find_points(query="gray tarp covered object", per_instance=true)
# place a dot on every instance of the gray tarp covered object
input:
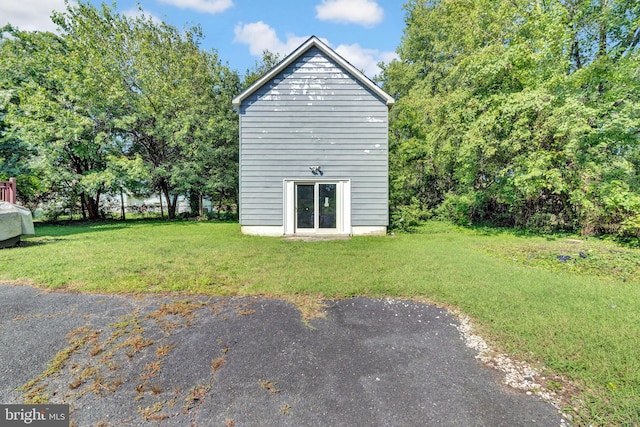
(14, 221)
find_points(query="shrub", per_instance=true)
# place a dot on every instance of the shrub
(457, 208)
(408, 217)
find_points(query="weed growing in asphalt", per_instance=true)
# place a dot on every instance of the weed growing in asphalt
(269, 386)
(156, 388)
(195, 397)
(163, 350)
(151, 413)
(35, 392)
(217, 363)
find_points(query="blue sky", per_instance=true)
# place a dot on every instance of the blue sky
(364, 32)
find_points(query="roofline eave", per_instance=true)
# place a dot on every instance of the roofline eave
(313, 41)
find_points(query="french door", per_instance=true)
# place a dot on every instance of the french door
(316, 207)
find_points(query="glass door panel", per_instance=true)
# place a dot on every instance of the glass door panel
(327, 206)
(316, 206)
(305, 209)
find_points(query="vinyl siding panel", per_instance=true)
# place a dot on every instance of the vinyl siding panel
(313, 113)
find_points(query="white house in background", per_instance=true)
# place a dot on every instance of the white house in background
(314, 148)
(151, 204)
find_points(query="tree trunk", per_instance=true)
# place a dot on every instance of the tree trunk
(575, 53)
(174, 204)
(161, 206)
(220, 204)
(195, 203)
(122, 215)
(83, 207)
(602, 42)
(92, 209)
(602, 30)
(171, 204)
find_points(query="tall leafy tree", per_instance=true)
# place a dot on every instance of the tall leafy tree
(46, 113)
(15, 160)
(168, 100)
(520, 113)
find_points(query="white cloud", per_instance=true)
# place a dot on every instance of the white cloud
(365, 59)
(30, 15)
(363, 12)
(260, 37)
(388, 56)
(204, 6)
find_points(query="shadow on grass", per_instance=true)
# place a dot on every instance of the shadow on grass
(492, 230)
(51, 230)
(36, 242)
(484, 229)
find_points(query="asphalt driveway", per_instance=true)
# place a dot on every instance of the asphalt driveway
(120, 360)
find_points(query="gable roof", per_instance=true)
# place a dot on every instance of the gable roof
(313, 41)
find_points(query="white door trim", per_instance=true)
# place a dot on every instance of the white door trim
(343, 202)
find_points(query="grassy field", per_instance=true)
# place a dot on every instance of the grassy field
(577, 320)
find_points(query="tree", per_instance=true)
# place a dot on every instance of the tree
(169, 101)
(260, 68)
(518, 113)
(110, 92)
(15, 158)
(47, 117)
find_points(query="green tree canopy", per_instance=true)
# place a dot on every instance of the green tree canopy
(165, 98)
(46, 114)
(518, 113)
(114, 103)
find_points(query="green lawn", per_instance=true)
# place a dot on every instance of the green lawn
(578, 319)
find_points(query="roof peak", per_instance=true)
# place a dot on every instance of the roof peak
(313, 41)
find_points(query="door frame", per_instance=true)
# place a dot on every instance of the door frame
(343, 207)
